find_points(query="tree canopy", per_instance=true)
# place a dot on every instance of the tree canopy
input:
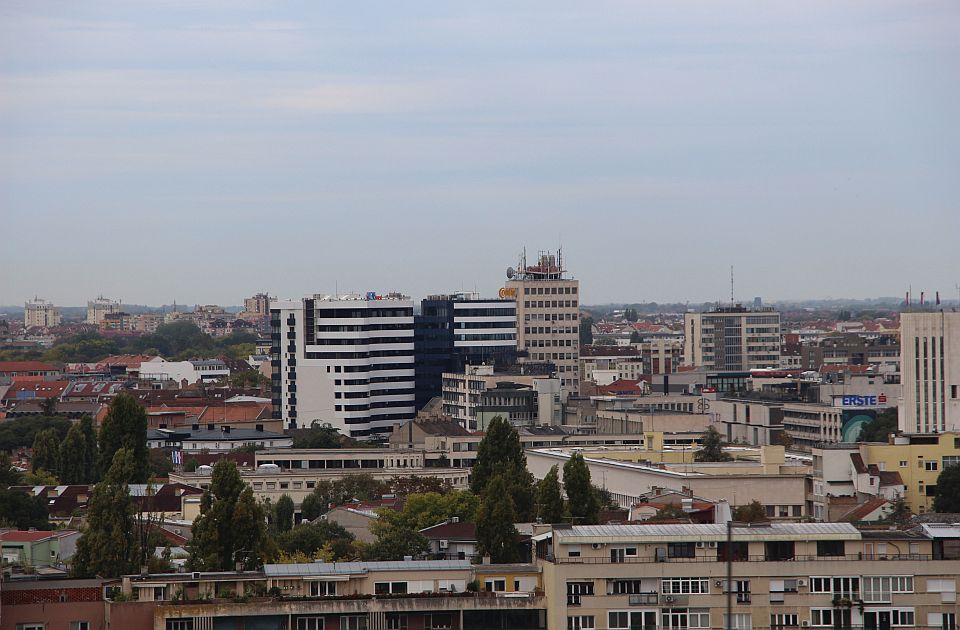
(947, 498)
(231, 526)
(125, 426)
(500, 452)
(752, 512)
(497, 536)
(581, 498)
(283, 514)
(550, 505)
(711, 449)
(21, 432)
(878, 429)
(322, 540)
(108, 546)
(46, 452)
(22, 511)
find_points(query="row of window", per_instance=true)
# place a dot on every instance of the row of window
(550, 290)
(693, 618)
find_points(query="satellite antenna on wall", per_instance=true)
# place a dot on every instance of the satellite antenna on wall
(511, 272)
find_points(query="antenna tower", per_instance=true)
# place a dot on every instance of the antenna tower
(731, 285)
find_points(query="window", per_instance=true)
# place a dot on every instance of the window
(879, 588)
(930, 466)
(159, 593)
(437, 621)
(384, 588)
(683, 586)
(685, 618)
(830, 617)
(681, 550)
(580, 622)
(624, 587)
(496, 585)
(950, 460)
(323, 589)
(79, 625)
(350, 622)
(829, 548)
(738, 621)
(577, 589)
(784, 620)
(573, 551)
(396, 622)
(840, 586)
(187, 624)
(779, 550)
(903, 463)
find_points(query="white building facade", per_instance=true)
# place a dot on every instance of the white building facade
(344, 360)
(98, 308)
(732, 338)
(40, 313)
(930, 372)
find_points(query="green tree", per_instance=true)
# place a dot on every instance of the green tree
(9, 475)
(231, 526)
(283, 514)
(550, 498)
(630, 315)
(40, 477)
(581, 498)
(46, 452)
(248, 378)
(311, 538)
(73, 451)
(396, 544)
(635, 337)
(161, 464)
(947, 498)
(91, 452)
(900, 512)
(500, 451)
(878, 429)
(752, 512)
(22, 511)
(21, 432)
(711, 448)
(423, 510)
(497, 536)
(125, 426)
(312, 506)
(191, 465)
(108, 546)
(318, 436)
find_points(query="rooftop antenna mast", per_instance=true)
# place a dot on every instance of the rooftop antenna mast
(731, 285)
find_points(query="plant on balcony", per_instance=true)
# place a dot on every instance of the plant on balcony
(473, 586)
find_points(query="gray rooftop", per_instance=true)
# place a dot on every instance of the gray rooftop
(356, 568)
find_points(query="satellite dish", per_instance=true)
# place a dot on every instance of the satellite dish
(511, 273)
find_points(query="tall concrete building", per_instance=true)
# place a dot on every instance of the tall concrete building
(930, 372)
(98, 308)
(548, 315)
(40, 313)
(343, 360)
(732, 338)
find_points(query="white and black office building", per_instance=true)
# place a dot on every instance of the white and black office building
(344, 360)
(453, 331)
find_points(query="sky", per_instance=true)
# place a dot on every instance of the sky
(202, 151)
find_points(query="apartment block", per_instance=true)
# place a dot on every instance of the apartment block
(930, 372)
(776, 576)
(344, 360)
(524, 395)
(732, 338)
(98, 308)
(548, 315)
(40, 314)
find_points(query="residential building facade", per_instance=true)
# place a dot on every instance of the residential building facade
(39, 313)
(98, 308)
(732, 338)
(930, 372)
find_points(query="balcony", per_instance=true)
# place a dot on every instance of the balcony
(743, 598)
(644, 599)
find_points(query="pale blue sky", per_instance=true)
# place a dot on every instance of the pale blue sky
(202, 151)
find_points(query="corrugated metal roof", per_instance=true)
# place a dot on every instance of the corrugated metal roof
(718, 532)
(340, 568)
(942, 530)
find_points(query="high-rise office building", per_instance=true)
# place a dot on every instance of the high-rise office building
(732, 338)
(930, 372)
(453, 331)
(40, 313)
(98, 308)
(548, 315)
(343, 360)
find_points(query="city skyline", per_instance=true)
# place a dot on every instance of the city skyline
(202, 151)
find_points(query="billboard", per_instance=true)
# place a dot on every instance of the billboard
(853, 422)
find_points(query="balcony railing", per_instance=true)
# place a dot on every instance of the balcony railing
(644, 599)
(754, 558)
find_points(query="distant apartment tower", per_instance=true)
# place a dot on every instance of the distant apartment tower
(40, 313)
(732, 338)
(256, 308)
(453, 331)
(98, 308)
(347, 361)
(548, 315)
(930, 372)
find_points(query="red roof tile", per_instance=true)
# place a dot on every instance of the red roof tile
(27, 366)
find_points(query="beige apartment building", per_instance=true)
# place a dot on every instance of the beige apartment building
(930, 372)
(817, 575)
(548, 316)
(99, 308)
(40, 313)
(732, 338)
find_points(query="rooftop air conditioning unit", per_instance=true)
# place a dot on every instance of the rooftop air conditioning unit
(669, 599)
(712, 544)
(444, 544)
(700, 544)
(801, 582)
(597, 545)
